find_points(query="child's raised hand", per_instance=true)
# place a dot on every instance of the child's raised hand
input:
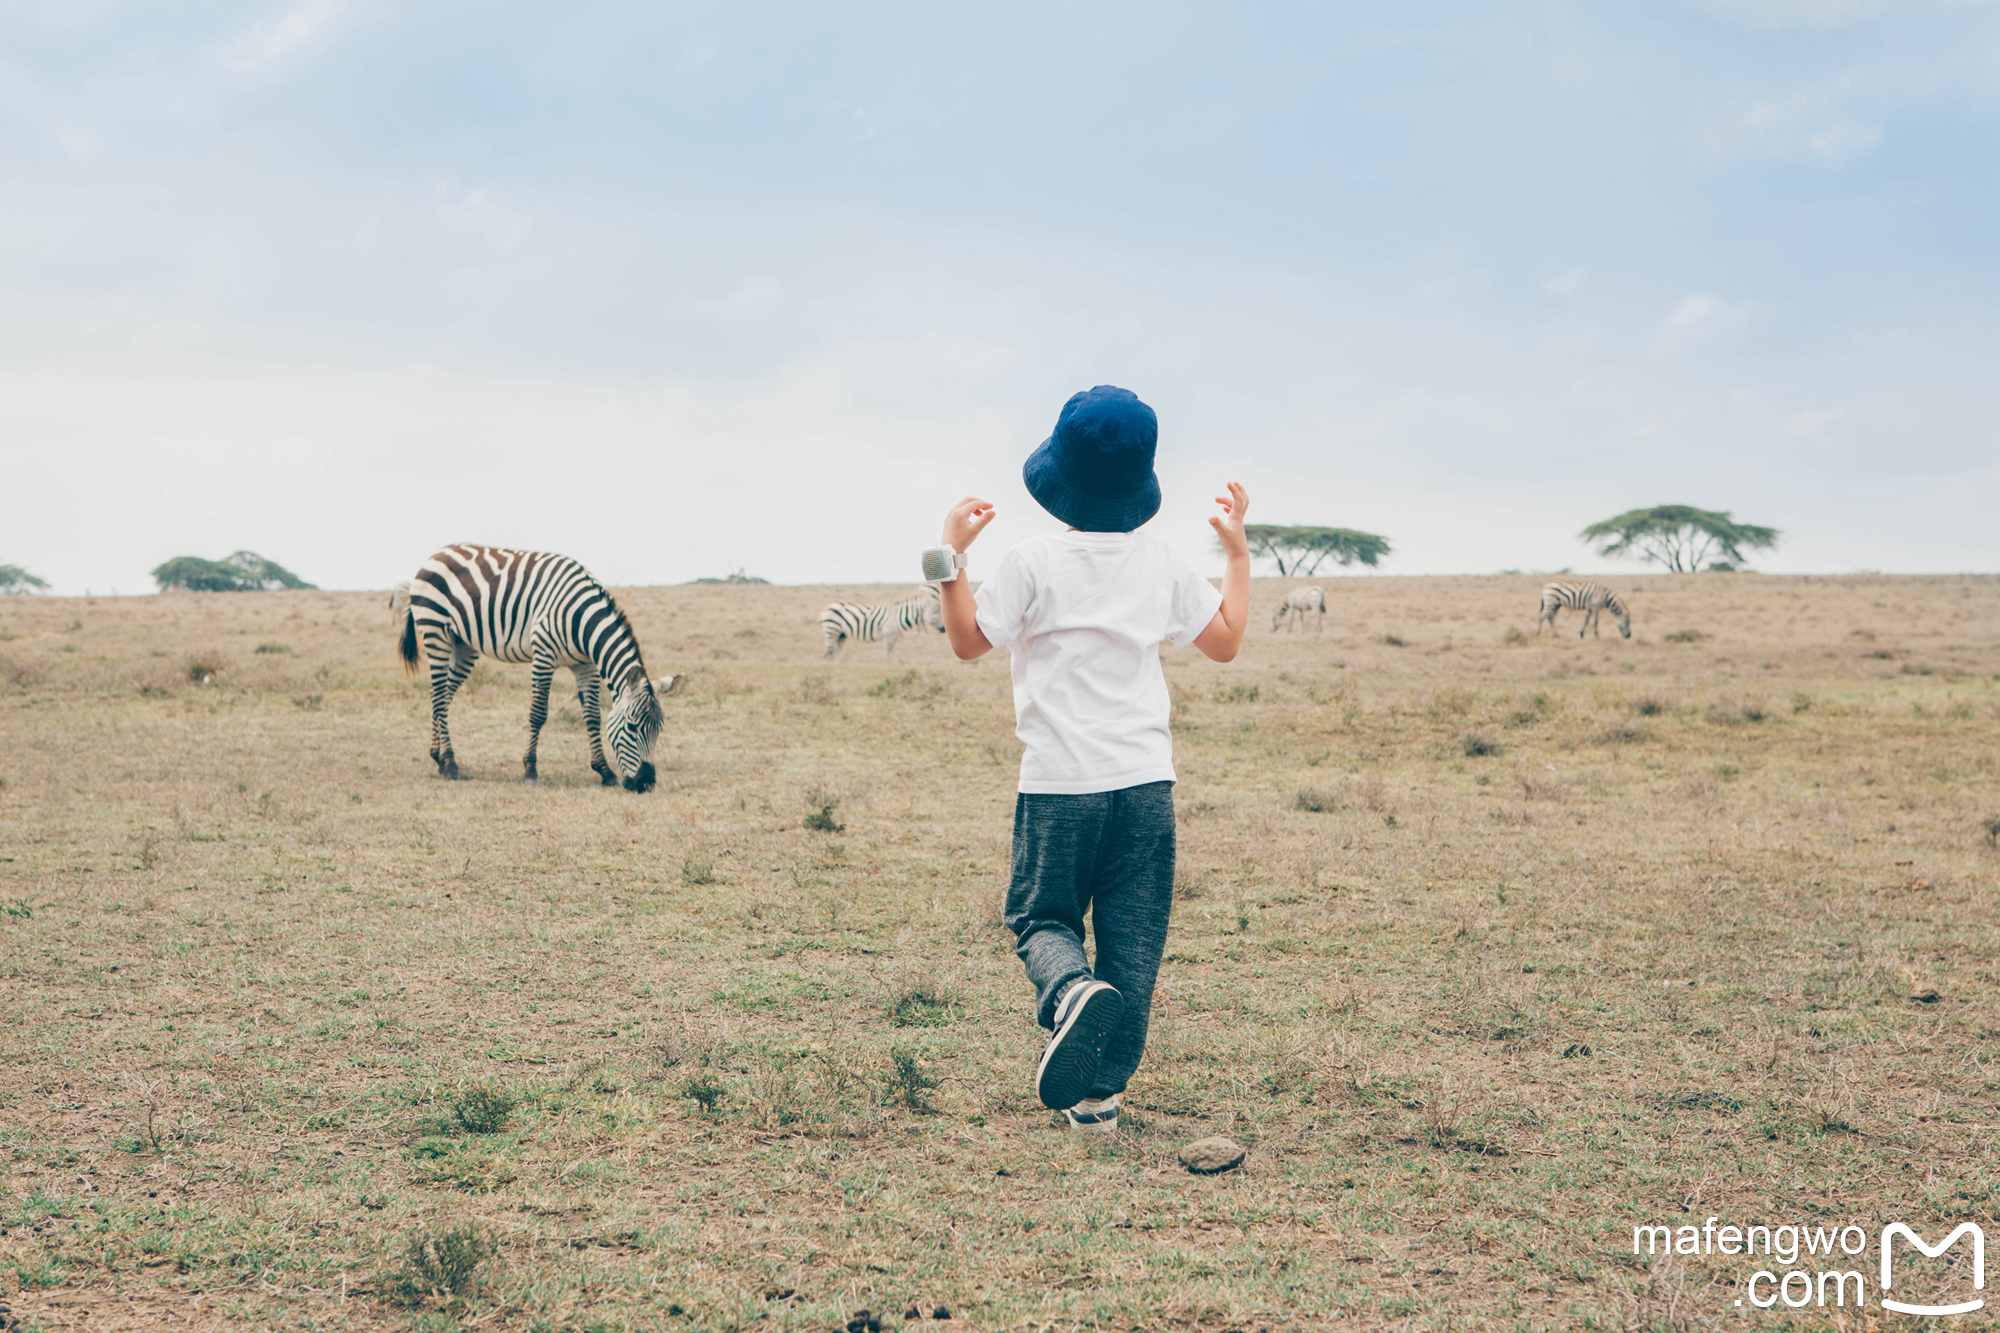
(1228, 524)
(967, 519)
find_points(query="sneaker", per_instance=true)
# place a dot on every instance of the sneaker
(1085, 1020)
(1099, 1117)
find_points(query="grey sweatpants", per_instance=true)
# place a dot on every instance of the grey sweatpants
(1111, 853)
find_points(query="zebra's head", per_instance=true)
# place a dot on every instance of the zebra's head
(634, 723)
(1624, 616)
(1278, 616)
(934, 607)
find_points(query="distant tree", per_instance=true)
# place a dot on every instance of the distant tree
(1299, 551)
(735, 576)
(244, 571)
(1680, 537)
(14, 579)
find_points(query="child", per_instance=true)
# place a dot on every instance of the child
(1082, 614)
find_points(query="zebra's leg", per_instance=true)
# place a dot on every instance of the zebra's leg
(890, 633)
(1547, 620)
(450, 665)
(586, 697)
(1589, 620)
(538, 707)
(833, 641)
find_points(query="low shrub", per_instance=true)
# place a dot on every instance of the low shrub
(908, 1085)
(444, 1266)
(912, 684)
(482, 1108)
(924, 1003)
(1316, 800)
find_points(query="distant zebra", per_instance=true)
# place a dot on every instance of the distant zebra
(531, 606)
(842, 621)
(1589, 598)
(1299, 603)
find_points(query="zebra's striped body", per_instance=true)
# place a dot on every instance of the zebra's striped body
(842, 621)
(1589, 598)
(543, 609)
(1298, 604)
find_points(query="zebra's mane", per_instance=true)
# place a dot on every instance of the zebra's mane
(610, 600)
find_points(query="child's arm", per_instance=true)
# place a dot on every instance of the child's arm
(1224, 634)
(962, 526)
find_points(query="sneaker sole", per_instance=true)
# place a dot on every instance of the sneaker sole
(1070, 1063)
(1108, 1126)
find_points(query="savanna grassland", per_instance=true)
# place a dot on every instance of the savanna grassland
(1487, 947)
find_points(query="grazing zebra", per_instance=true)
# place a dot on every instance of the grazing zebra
(1298, 604)
(1589, 598)
(531, 606)
(842, 621)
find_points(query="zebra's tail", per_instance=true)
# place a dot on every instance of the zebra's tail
(408, 645)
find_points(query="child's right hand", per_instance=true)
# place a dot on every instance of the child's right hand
(967, 519)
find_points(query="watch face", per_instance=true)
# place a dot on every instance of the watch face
(938, 564)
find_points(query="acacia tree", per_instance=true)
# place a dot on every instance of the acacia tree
(1299, 551)
(244, 571)
(14, 579)
(1680, 537)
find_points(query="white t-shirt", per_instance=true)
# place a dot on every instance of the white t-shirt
(1082, 614)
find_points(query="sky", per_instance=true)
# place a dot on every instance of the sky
(685, 288)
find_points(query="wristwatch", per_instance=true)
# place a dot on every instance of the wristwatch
(942, 564)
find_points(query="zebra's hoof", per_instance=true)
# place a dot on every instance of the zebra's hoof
(532, 780)
(608, 779)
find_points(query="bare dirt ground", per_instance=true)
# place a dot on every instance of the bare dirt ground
(1488, 948)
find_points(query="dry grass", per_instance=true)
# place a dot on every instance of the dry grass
(1488, 947)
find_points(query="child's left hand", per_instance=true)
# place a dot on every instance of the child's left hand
(1228, 524)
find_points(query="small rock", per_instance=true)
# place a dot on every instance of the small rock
(1205, 1157)
(941, 1312)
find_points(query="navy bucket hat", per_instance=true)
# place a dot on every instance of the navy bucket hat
(1095, 472)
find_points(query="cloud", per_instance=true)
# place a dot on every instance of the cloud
(1564, 284)
(1698, 317)
(477, 211)
(266, 45)
(1816, 123)
(747, 303)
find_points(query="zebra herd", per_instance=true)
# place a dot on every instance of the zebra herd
(549, 611)
(1589, 598)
